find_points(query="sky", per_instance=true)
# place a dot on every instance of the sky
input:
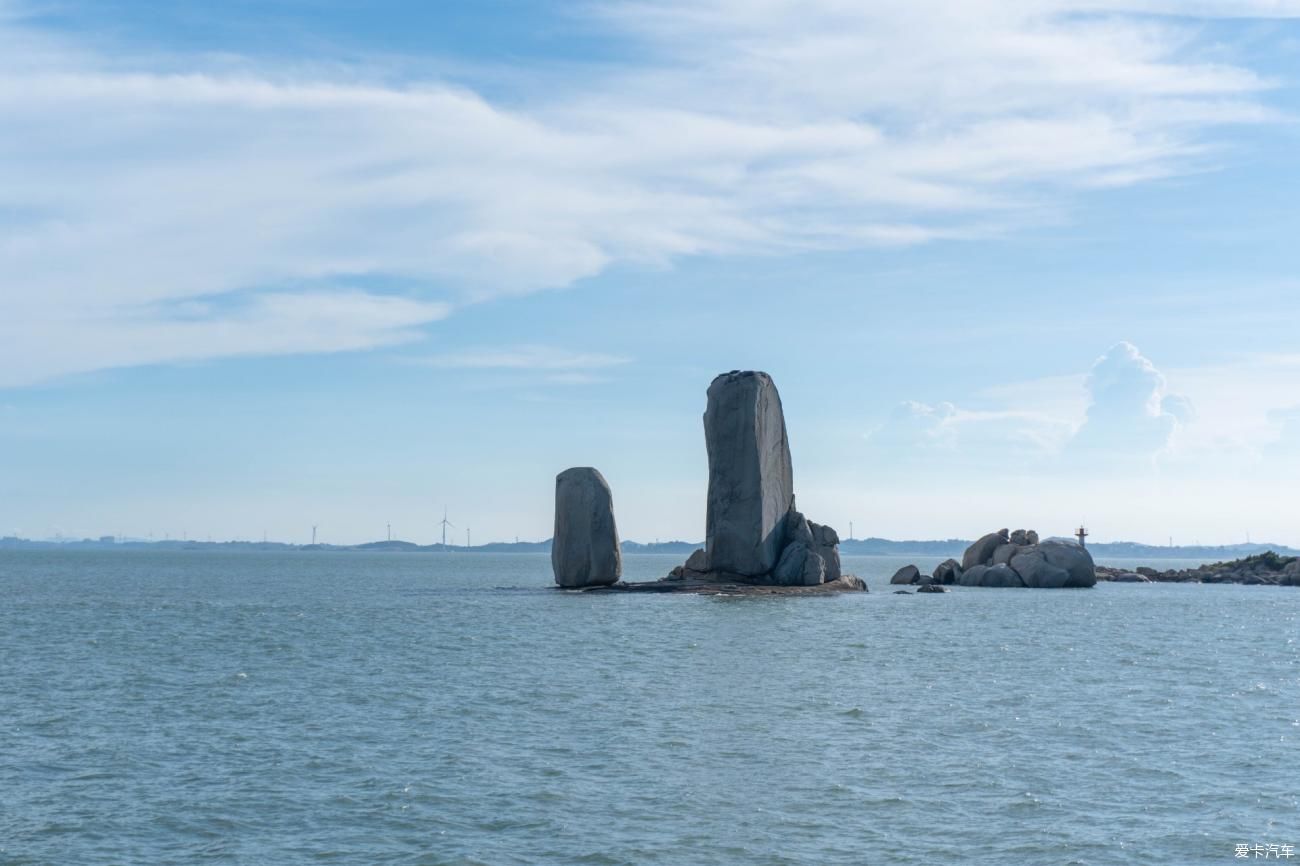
(271, 265)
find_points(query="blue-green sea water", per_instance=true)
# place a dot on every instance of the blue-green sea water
(295, 708)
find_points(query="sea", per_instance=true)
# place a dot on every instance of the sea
(207, 707)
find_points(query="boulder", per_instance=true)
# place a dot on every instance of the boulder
(933, 587)
(1037, 572)
(751, 488)
(1003, 554)
(827, 546)
(906, 574)
(973, 575)
(902, 592)
(1020, 537)
(981, 551)
(799, 566)
(822, 540)
(947, 572)
(697, 561)
(798, 529)
(1001, 575)
(585, 550)
(1031, 537)
(1054, 565)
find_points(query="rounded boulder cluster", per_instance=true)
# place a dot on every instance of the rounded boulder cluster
(1012, 559)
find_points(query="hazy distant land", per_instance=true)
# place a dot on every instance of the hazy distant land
(850, 547)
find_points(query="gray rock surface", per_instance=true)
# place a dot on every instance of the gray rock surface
(1055, 565)
(908, 574)
(751, 487)
(1130, 577)
(799, 566)
(585, 551)
(1044, 565)
(1001, 575)
(1003, 554)
(827, 546)
(755, 535)
(981, 552)
(947, 572)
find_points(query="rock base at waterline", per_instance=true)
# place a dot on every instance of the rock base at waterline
(735, 585)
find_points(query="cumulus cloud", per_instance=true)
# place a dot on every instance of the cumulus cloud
(1128, 409)
(920, 431)
(1128, 417)
(749, 127)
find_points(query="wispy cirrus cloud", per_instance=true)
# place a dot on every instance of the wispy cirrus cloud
(269, 323)
(530, 357)
(747, 128)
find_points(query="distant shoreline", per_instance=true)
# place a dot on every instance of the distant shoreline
(952, 547)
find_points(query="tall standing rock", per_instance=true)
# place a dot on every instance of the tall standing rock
(585, 550)
(751, 487)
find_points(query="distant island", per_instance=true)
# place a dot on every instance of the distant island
(848, 547)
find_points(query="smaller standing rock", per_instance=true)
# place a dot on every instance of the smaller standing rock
(585, 550)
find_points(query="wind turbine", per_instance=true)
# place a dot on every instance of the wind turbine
(445, 524)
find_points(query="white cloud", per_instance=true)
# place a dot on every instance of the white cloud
(526, 358)
(1127, 419)
(919, 432)
(265, 324)
(756, 127)
(1129, 412)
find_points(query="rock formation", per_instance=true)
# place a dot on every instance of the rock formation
(946, 572)
(585, 551)
(1012, 559)
(754, 533)
(907, 574)
(751, 485)
(1261, 569)
(982, 550)
(755, 542)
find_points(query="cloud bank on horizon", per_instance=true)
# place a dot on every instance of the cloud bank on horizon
(162, 206)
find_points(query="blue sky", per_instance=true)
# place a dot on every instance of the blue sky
(268, 265)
